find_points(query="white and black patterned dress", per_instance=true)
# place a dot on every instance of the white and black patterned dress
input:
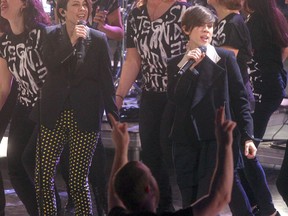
(156, 41)
(23, 55)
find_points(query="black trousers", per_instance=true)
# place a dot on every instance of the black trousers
(5, 116)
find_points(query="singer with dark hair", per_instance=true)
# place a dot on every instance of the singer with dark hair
(22, 22)
(79, 86)
(107, 18)
(213, 80)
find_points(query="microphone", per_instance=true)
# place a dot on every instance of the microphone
(80, 47)
(190, 62)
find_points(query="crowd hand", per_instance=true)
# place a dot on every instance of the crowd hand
(100, 18)
(223, 128)
(195, 54)
(120, 135)
(80, 31)
(250, 149)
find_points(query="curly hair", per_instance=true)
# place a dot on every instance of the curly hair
(33, 15)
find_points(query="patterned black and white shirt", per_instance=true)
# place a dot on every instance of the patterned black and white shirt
(156, 41)
(23, 55)
(233, 32)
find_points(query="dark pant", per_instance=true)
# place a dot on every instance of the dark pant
(194, 164)
(5, 115)
(20, 131)
(150, 117)
(2, 197)
(282, 179)
(253, 170)
(262, 114)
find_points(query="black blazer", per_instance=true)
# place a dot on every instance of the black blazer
(85, 87)
(197, 94)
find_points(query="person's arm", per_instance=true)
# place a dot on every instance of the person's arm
(121, 139)
(129, 73)
(5, 82)
(240, 105)
(112, 26)
(222, 186)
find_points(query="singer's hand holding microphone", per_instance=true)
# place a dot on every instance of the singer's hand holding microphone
(79, 33)
(196, 55)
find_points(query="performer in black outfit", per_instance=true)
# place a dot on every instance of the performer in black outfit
(78, 88)
(213, 80)
(106, 18)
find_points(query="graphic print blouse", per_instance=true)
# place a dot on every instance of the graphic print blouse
(23, 55)
(156, 41)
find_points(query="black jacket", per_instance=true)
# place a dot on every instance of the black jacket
(197, 97)
(85, 87)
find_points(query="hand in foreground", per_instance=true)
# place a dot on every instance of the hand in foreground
(120, 135)
(100, 18)
(250, 149)
(223, 128)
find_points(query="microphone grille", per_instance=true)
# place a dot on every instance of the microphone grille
(81, 22)
(203, 49)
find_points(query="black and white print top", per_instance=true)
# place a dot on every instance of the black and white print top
(109, 5)
(233, 32)
(23, 55)
(156, 41)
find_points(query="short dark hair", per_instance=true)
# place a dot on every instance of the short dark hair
(63, 4)
(129, 184)
(197, 16)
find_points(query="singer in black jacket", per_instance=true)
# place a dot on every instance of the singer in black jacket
(214, 80)
(78, 88)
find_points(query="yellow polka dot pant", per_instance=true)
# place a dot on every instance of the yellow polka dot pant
(50, 144)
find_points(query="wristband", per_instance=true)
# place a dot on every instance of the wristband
(119, 96)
